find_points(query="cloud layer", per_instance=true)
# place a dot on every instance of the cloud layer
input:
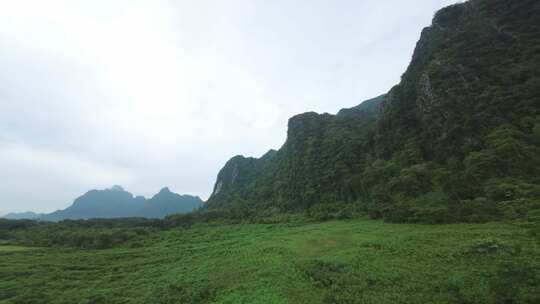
(162, 93)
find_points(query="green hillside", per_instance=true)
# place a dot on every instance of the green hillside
(458, 139)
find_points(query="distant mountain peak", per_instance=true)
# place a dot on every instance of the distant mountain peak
(115, 202)
(165, 190)
(21, 215)
(117, 188)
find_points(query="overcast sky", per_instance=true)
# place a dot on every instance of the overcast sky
(147, 94)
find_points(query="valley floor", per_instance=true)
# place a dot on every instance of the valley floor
(357, 261)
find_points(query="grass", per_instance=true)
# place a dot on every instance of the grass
(359, 261)
(12, 248)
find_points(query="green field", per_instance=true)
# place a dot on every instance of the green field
(10, 248)
(358, 261)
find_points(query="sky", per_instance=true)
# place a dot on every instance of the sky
(155, 93)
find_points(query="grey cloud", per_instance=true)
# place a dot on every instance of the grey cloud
(160, 93)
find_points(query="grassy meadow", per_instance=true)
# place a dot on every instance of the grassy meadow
(356, 261)
(11, 248)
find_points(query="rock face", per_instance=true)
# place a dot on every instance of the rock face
(117, 203)
(463, 65)
(237, 175)
(457, 129)
(292, 176)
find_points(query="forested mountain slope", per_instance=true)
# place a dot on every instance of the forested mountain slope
(458, 139)
(316, 161)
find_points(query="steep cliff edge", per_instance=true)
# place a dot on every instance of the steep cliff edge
(456, 140)
(320, 152)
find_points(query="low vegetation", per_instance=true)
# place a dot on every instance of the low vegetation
(348, 261)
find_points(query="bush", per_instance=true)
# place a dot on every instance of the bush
(489, 246)
(517, 280)
(323, 273)
(338, 210)
(184, 293)
(433, 207)
(478, 210)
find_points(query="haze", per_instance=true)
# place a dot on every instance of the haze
(148, 94)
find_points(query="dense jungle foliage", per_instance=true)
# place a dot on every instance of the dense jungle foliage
(457, 140)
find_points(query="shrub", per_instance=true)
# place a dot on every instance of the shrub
(432, 207)
(517, 280)
(323, 273)
(184, 293)
(489, 246)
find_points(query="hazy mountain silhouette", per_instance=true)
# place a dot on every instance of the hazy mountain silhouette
(116, 203)
(167, 202)
(22, 215)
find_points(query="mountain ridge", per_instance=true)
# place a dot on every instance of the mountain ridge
(115, 202)
(21, 215)
(461, 129)
(241, 170)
